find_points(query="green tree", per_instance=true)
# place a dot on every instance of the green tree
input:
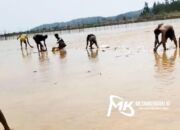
(146, 10)
(167, 2)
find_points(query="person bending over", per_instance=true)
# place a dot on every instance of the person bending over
(38, 39)
(166, 31)
(24, 39)
(91, 38)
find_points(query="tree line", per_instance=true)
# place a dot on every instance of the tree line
(161, 8)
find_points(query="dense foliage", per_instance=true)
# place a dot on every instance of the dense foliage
(168, 6)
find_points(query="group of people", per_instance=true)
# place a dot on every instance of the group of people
(40, 41)
(166, 31)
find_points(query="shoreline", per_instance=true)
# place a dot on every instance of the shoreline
(68, 91)
(94, 29)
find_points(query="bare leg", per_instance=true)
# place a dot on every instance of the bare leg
(25, 44)
(91, 43)
(96, 45)
(3, 121)
(164, 46)
(155, 44)
(175, 41)
(21, 44)
(45, 45)
(29, 43)
(88, 53)
(87, 44)
(37, 46)
(155, 49)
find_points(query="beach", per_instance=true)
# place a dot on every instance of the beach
(69, 90)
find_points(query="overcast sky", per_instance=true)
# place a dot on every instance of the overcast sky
(19, 15)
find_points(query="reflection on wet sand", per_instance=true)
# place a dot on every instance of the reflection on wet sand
(63, 53)
(92, 54)
(25, 53)
(43, 56)
(165, 66)
(72, 93)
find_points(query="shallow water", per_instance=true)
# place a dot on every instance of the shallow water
(70, 90)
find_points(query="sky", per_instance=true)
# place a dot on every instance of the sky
(21, 15)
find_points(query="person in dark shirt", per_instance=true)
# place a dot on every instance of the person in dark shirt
(92, 39)
(167, 31)
(39, 39)
(60, 42)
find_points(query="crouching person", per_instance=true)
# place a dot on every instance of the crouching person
(60, 42)
(166, 31)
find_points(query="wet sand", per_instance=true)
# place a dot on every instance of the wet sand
(70, 90)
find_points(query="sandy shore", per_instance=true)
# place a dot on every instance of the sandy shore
(70, 90)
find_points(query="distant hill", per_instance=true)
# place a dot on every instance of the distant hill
(87, 22)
